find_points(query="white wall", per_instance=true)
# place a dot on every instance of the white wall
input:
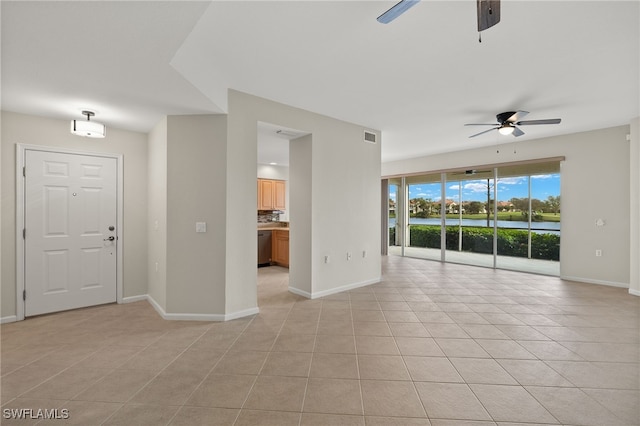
(634, 191)
(345, 199)
(300, 252)
(157, 214)
(1, 244)
(594, 184)
(196, 192)
(26, 129)
(267, 171)
(187, 184)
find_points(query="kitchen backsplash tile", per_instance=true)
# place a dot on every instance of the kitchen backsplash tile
(265, 216)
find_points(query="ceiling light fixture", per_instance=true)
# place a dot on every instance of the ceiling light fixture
(88, 128)
(506, 129)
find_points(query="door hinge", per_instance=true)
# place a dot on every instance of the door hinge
(24, 171)
(24, 233)
(24, 294)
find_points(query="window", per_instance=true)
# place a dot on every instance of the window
(506, 217)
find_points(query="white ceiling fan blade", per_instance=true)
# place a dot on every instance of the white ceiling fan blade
(396, 10)
(517, 116)
(488, 14)
(481, 133)
(546, 121)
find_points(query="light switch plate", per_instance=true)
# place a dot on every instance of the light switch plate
(201, 226)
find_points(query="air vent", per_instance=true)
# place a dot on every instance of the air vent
(369, 137)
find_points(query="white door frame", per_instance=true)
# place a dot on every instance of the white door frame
(21, 150)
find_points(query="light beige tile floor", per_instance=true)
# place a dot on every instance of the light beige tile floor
(431, 344)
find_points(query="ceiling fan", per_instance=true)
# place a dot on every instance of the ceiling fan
(507, 122)
(488, 12)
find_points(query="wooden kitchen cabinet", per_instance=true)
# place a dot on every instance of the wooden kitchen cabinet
(278, 195)
(265, 194)
(280, 247)
(271, 194)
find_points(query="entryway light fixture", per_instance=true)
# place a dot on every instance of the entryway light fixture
(88, 128)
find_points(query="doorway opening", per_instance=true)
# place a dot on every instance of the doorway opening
(275, 212)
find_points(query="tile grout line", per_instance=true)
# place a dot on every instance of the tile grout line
(355, 349)
(161, 371)
(306, 386)
(404, 363)
(263, 362)
(96, 315)
(67, 368)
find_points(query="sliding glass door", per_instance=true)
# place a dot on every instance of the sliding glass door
(528, 231)
(469, 230)
(425, 216)
(506, 217)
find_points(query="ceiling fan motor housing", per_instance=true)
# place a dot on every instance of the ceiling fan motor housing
(504, 116)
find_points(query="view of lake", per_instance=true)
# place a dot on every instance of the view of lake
(550, 227)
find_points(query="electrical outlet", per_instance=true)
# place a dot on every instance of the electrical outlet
(364, 253)
(598, 253)
(326, 259)
(348, 255)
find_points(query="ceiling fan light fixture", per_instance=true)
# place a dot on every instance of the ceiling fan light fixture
(506, 129)
(88, 128)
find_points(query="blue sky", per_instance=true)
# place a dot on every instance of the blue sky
(542, 186)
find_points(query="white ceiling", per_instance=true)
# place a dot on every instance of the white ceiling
(418, 79)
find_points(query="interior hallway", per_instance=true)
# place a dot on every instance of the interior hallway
(432, 343)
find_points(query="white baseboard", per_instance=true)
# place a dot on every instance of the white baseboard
(634, 292)
(10, 318)
(170, 317)
(331, 291)
(599, 282)
(241, 314)
(194, 317)
(199, 317)
(132, 299)
(300, 292)
(156, 306)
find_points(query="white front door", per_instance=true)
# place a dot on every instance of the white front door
(70, 231)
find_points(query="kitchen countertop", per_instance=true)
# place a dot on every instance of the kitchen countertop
(275, 226)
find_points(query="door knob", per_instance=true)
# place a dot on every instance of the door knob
(111, 238)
